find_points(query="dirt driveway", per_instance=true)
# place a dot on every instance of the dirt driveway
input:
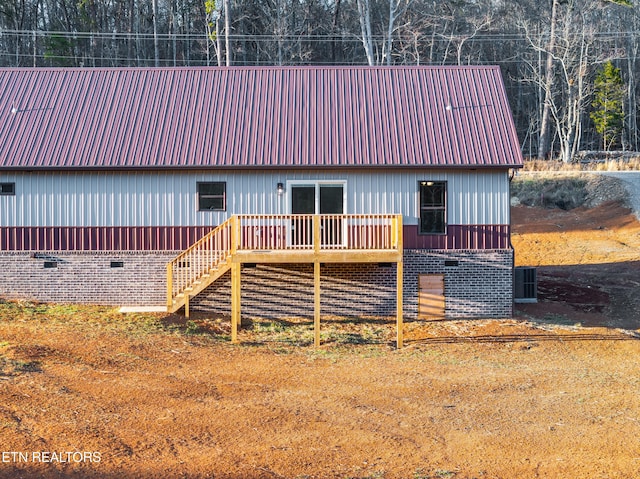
(153, 396)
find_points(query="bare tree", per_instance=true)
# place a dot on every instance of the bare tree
(364, 15)
(396, 9)
(545, 130)
(227, 31)
(156, 45)
(574, 57)
(458, 40)
(212, 11)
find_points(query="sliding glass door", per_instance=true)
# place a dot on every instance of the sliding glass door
(317, 198)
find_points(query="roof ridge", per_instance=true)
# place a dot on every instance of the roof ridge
(255, 67)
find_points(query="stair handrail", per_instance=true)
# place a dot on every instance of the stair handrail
(200, 258)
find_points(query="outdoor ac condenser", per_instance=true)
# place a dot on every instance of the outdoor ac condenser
(525, 285)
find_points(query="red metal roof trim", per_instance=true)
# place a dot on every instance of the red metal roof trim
(256, 117)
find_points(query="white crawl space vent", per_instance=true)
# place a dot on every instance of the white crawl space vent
(526, 285)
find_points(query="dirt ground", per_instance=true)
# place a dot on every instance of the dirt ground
(588, 263)
(550, 393)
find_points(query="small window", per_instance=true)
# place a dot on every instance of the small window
(433, 208)
(212, 196)
(7, 188)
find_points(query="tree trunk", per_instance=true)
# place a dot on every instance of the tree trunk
(218, 42)
(364, 15)
(131, 36)
(333, 32)
(631, 114)
(545, 123)
(156, 44)
(174, 29)
(227, 30)
(393, 13)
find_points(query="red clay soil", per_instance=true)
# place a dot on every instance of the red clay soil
(551, 393)
(588, 262)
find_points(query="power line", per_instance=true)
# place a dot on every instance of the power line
(480, 37)
(115, 48)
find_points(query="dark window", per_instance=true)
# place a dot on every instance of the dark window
(7, 188)
(212, 196)
(433, 207)
(331, 200)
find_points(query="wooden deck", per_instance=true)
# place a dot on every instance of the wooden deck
(258, 239)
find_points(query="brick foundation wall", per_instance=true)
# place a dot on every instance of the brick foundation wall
(86, 277)
(286, 290)
(480, 285)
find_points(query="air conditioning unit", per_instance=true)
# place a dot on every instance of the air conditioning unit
(525, 285)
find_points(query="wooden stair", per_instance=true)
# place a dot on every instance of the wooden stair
(200, 265)
(199, 285)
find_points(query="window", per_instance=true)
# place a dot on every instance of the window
(212, 196)
(433, 208)
(7, 188)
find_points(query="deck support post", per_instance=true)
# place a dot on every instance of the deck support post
(186, 305)
(399, 321)
(317, 238)
(399, 282)
(316, 304)
(169, 285)
(235, 301)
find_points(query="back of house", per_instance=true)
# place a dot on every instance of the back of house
(106, 175)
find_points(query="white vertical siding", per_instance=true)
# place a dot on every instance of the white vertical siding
(170, 199)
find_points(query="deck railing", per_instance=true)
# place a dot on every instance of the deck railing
(336, 232)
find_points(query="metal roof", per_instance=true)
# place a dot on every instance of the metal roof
(256, 117)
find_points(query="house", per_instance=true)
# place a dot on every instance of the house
(353, 180)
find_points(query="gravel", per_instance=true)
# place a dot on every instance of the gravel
(630, 181)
